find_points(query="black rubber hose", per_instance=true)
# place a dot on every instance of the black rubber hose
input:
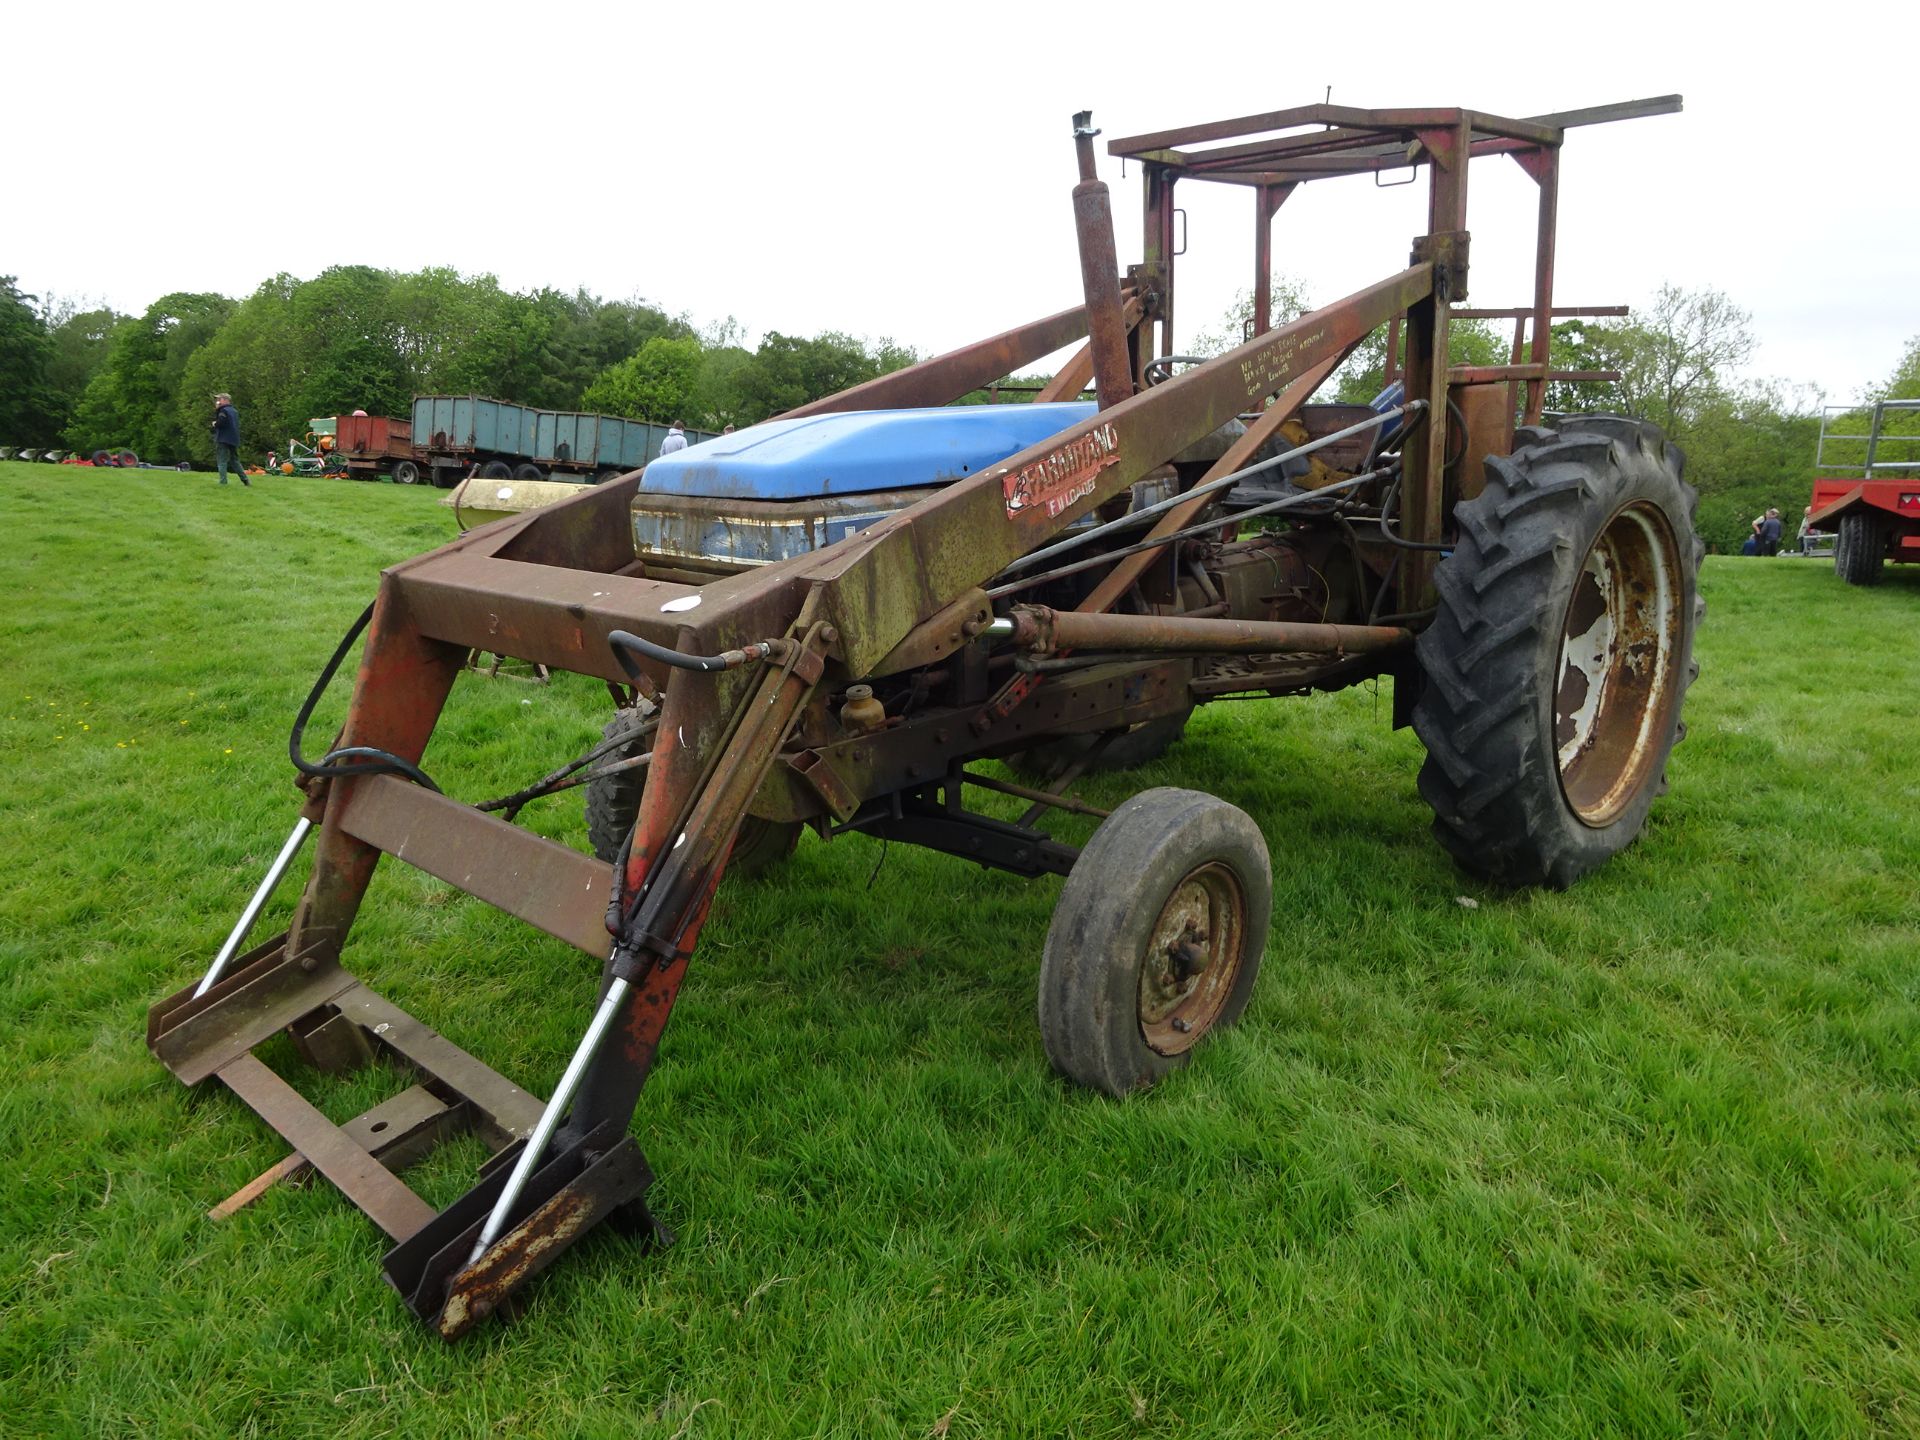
(1386, 513)
(379, 762)
(623, 641)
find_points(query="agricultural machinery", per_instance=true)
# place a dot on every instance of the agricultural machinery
(1875, 513)
(452, 438)
(313, 454)
(829, 620)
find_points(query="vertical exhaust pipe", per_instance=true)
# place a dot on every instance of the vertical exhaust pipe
(1100, 273)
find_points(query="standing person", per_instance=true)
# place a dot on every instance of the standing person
(676, 439)
(226, 438)
(1766, 532)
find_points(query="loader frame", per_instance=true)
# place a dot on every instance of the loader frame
(935, 593)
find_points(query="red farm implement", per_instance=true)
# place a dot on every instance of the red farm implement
(1875, 512)
(1055, 585)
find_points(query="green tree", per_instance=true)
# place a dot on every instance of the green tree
(583, 335)
(346, 322)
(787, 371)
(259, 357)
(717, 399)
(26, 351)
(1008, 390)
(659, 383)
(1364, 375)
(1905, 382)
(136, 396)
(1676, 358)
(81, 340)
(1235, 326)
(464, 334)
(508, 353)
(1750, 446)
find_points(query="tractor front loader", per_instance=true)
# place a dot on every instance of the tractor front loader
(825, 620)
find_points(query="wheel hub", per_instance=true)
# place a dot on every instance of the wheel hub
(1619, 663)
(1193, 958)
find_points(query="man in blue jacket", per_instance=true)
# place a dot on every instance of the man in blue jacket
(226, 438)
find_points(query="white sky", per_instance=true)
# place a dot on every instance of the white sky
(886, 170)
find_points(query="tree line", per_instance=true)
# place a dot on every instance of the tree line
(356, 337)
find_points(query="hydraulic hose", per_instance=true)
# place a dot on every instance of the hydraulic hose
(626, 645)
(377, 761)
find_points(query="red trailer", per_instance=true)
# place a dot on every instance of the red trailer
(1876, 512)
(373, 445)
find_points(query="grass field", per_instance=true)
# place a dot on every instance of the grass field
(1639, 1158)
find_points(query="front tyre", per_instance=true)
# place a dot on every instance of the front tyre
(1130, 748)
(613, 804)
(1561, 652)
(1156, 939)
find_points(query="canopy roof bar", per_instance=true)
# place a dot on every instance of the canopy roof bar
(1354, 141)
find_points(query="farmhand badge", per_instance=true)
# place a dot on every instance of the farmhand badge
(1056, 481)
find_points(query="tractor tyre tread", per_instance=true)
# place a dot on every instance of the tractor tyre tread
(1489, 657)
(613, 804)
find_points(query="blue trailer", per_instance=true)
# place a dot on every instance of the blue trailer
(453, 434)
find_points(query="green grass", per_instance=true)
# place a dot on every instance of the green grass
(1634, 1159)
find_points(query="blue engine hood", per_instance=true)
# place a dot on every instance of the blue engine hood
(857, 452)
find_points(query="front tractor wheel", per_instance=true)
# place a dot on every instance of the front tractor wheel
(1126, 749)
(1561, 652)
(613, 804)
(1156, 939)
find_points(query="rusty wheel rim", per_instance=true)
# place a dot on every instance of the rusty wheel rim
(1193, 959)
(1619, 664)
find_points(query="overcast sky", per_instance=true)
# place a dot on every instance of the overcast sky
(888, 172)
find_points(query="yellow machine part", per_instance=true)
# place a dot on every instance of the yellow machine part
(475, 501)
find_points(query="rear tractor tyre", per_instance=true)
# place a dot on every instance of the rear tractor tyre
(1861, 549)
(1561, 652)
(613, 804)
(1156, 939)
(406, 472)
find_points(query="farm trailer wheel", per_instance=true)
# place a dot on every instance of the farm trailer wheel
(527, 470)
(613, 803)
(496, 470)
(1861, 551)
(1561, 652)
(406, 472)
(1156, 939)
